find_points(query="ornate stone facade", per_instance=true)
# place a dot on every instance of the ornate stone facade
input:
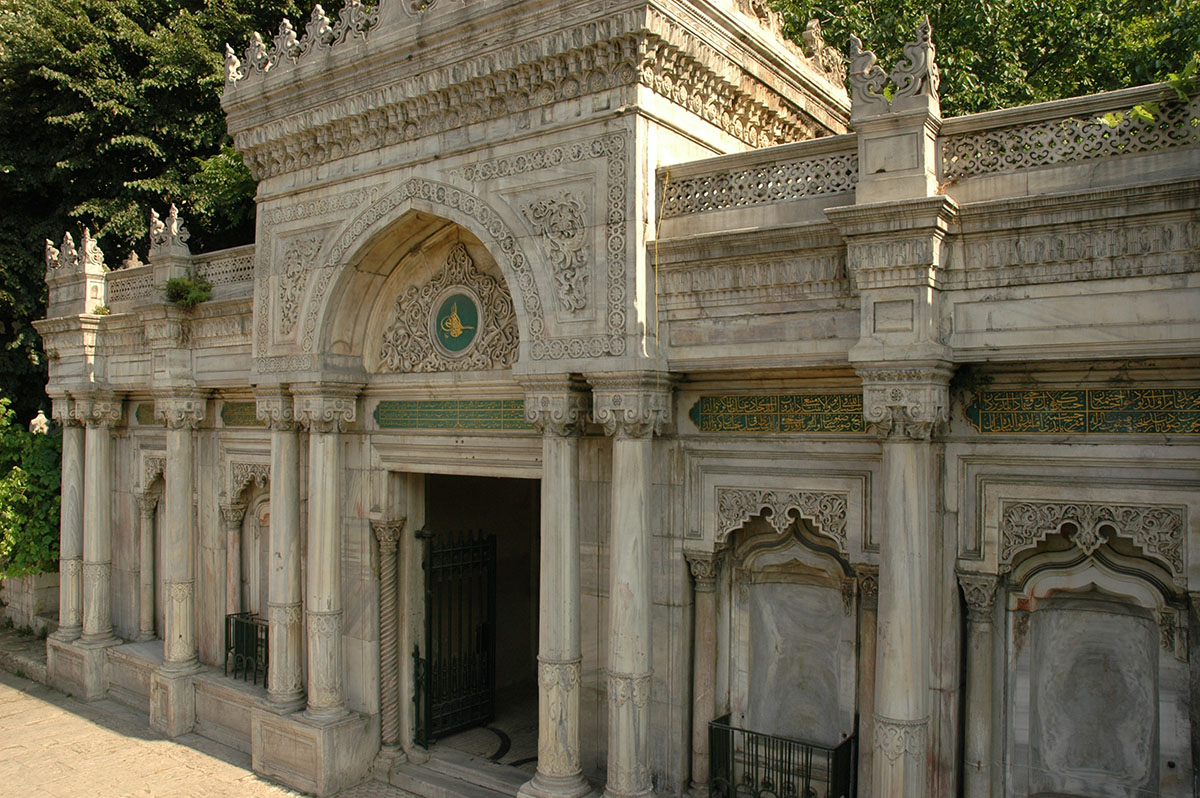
(789, 421)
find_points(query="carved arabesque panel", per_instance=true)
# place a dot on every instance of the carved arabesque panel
(561, 221)
(827, 511)
(407, 345)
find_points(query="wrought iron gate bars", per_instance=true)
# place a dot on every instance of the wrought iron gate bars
(455, 681)
(246, 646)
(747, 764)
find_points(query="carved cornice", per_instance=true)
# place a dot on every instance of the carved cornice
(826, 511)
(980, 592)
(631, 405)
(180, 410)
(906, 401)
(557, 406)
(326, 408)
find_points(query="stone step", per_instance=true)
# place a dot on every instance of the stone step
(23, 655)
(428, 782)
(476, 770)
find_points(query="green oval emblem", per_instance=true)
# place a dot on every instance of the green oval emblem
(456, 322)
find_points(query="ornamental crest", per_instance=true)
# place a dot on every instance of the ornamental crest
(461, 320)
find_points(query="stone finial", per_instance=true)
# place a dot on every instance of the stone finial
(51, 256)
(827, 58)
(319, 31)
(914, 78)
(287, 45)
(132, 261)
(68, 257)
(90, 254)
(233, 65)
(170, 236)
(40, 425)
(88, 257)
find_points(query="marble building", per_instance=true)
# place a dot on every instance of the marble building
(790, 413)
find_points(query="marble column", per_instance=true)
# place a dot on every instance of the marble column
(70, 522)
(903, 406)
(704, 664)
(632, 409)
(388, 534)
(102, 413)
(285, 688)
(980, 593)
(147, 508)
(558, 408)
(231, 519)
(181, 413)
(868, 614)
(325, 411)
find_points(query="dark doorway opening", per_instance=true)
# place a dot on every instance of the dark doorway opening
(464, 509)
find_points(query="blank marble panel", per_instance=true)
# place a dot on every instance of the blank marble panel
(1094, 701)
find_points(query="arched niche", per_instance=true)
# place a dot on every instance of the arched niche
(792, 634)
(400, 224)
(1097, 689)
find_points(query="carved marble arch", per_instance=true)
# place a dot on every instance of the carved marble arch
(792, 651)
(395, 230)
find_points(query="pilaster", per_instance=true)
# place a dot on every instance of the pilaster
(632, 408)
(147, 509)
(557, 407)
(285, 689)
(979, 590)
(704, 568)
(231, 520)
(325, 410)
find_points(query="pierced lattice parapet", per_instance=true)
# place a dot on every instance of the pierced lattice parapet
(763, 184)
(1055, 141)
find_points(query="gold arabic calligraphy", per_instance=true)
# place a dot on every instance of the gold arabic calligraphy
(452, 325)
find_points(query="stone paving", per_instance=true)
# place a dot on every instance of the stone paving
(53, 745)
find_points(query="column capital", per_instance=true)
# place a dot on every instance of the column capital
(182, 410)
(63, 409)
(325, 408)
(631, 405)
(388, 532)
(704, 567)
(233, 513)
(557, 405)
(276, 408)
(868, 585)
(147, 504)
(97, 409)
(906, 399)
(980, 592)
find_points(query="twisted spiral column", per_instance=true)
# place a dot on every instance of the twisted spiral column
(388, 535)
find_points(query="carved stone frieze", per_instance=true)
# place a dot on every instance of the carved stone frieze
(979, 590)
(906, 402)
(632, 406)
(915, 75)
(557, 407)
(562, 223)
(179, 411)
(1157, 530)
(408, 344)
(327, 409)
(826, 511)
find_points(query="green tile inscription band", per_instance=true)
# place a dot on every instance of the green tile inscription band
(145, 414)
(480, 414)
(1098, 411)
(240, 414)
(782, 413)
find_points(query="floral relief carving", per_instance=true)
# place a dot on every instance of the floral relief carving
(827, 511)
(244, 475)
(897, 738)
(625, 688)
(155, 467)
(298, 257)
(562, 222)
(407, 345)
(979, 590)
(559, 681)
(1157, 530)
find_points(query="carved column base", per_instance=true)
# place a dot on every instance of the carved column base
(901, 769)
(628, 736)
(172, 702)
(285, 686)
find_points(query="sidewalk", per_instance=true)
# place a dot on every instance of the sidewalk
(52, 745)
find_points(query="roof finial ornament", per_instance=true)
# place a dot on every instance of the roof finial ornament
(171, 234)
(233, 66)
(914, 79)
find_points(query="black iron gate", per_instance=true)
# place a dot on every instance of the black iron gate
(456, 680)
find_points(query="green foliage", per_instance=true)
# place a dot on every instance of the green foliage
(29, 497)
(107, 109)
(1002, 53)
(188, 292)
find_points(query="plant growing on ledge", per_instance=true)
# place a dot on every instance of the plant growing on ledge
(188, 292)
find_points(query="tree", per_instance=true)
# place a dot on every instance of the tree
(1001, 53)
(109, 108)
(29, 503)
